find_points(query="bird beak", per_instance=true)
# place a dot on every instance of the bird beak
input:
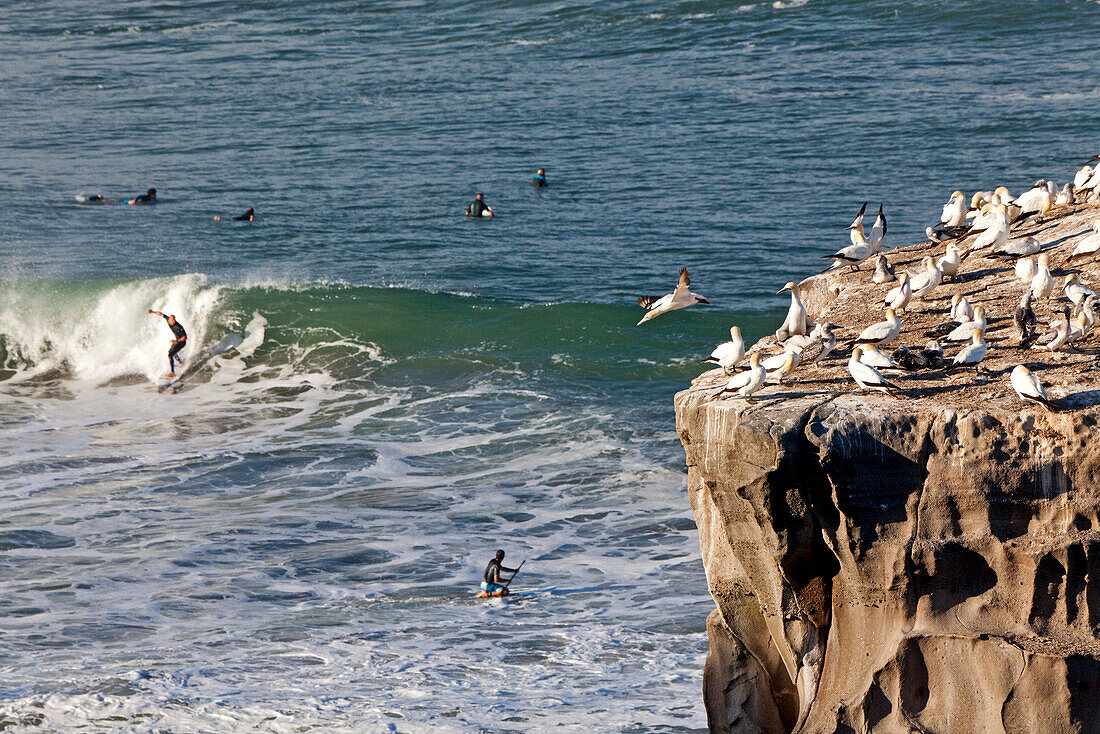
(784, 288)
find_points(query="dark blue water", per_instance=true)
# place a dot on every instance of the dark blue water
(292, 536)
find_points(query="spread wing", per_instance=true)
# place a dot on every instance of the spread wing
(647, 302)
(682, 285)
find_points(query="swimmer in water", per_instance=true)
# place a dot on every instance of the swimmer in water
(478, 208)
(149, 197)
(97, 199)
(248, 216)
(540, 179)
(177, 344)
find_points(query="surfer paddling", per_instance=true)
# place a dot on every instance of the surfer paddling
(494, 584)
(177, 344)
(248, 216)
(478, 207)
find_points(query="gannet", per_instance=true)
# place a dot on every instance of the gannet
(1028, 387)
(878, 231)
(933, 354)
(1065, 196)
(883, 332)
(866, 376)
(961, 310)
(797, 320)
(972, 354)
(1042, 285)
(1017, 249)
(1078, 328)
(1088, 308)
(1094, 179)
(857, 224)
(749, 381)
(926, 281)
(954, 211)
(1074, 291)
(900, 295)
(1036, 200)
(962, 332)
(1089, 245)
(1059, 334)
(884, 273)
(1002, 196)
(934, 236)
(978, 200)
(994, 235)
(853, 254)
(776, 361)
(828, 340)
(728, 354)
(790, 362)
(1082, 176)
(875, 357)
(679, 298)
(1026, 269)
(1024, 321)
(985, 217)
(949, 263)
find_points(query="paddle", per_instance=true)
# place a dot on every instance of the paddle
(515, 572)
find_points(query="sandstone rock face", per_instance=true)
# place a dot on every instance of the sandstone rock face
(887, 570)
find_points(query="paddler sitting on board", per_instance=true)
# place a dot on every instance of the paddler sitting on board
(177, 344)
(478, 207)
(494, 584)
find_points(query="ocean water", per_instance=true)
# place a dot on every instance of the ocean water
(380, 392)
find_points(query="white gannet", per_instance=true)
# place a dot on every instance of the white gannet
(1065, 196)
(1094, 179)
(866, 376)
(972, 354)
(1082, 176)
(1078, 328)
(927, 280)
(728, 354)
(856, 227)
(878, 231)
(954, 211)
(797, 320)
(1028, 387)
(900, 295)
(884, 273)
(1026, 269)
(984, 217)
(994, 235)
(1042, 285)
(877, 358)
(853, 254)
(790, 362)
(1076, 292)
(949, 263)
(1018, 248)
(977, 201)
(776, 361)
(679, 298)
(1036, 200)
(1024, 321)
(1088, 308)
(1089, 245)
(964, 331)
(747, 382)
(961, 310)
(1002, 196)
(881, 333)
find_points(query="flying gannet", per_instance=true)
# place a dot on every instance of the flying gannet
(679, 298)
(728, 354)
(866, 376)
(1028, 387)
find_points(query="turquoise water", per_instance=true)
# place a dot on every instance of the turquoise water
(291, 535)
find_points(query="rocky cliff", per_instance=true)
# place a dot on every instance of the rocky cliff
(923, 563)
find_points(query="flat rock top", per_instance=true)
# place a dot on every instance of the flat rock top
(849, 299)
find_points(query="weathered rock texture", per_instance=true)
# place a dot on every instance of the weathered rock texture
(929, 563)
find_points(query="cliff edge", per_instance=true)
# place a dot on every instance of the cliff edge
(921, 563)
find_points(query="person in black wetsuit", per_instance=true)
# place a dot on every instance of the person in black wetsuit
(478, 207)
(98, 199)
(149, 197)
(248, 216)
(540, 179)
(493, 584)
(177, 344)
